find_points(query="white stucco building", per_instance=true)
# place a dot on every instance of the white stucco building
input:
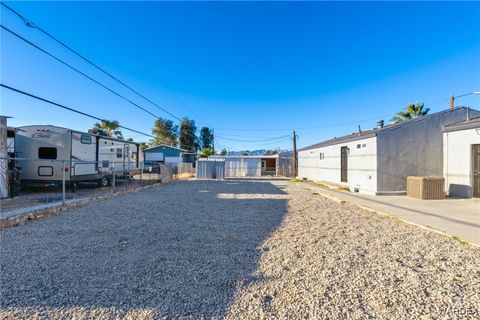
(378, 161)
(461, 158)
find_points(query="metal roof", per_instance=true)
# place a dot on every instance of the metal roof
(373, 132)
(212, 159)
(77, 131)
(167, 146)
(473, 123)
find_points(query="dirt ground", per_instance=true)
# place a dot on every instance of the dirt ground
(237, 250)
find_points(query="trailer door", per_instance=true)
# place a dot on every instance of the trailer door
(126, 158)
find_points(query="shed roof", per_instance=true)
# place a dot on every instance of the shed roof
(373, 132)
(166, 146)
(211, 159)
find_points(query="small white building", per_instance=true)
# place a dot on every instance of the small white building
(378, 161)
(250, 166)
(461, 158)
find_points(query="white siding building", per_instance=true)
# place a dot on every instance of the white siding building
(324, 162)
(461, 158)
(378, 161)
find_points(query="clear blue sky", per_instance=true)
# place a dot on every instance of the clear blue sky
(263, 67)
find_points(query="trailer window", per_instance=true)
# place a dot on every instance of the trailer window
(86, 139)
(119, 152)
(47, 153)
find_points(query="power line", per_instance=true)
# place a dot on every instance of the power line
(134, 54)
(75, 110)
(32, 25)
(262, 140)
(337, 124)
(77, 70)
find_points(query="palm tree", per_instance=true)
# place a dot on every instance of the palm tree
(108, 128)
(412, 111)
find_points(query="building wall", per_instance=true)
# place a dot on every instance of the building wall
(167, 152)
(285, 164)
(169, 155)
(362, 164)
(413, 149)
(243, 167)
(457, 161)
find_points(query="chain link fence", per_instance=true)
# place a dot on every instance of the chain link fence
(35, 184)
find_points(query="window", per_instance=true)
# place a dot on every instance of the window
(86, 139)
(322, 155)
(359, 146)
(364, 145)
(119, 152)
(47, 153)
(134, 155)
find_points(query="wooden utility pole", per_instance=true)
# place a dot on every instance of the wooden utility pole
(213, 140)
(295, 161)
(452, 102)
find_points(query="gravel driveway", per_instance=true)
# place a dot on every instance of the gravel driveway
(234, 249)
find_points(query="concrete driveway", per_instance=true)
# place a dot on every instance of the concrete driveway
(455, 217)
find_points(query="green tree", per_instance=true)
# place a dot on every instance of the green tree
(109, 128)
(207, 152)
(223, 152)
(165, 131)
(144, 145)
(412, 111)
(206, 138)
(188, 139)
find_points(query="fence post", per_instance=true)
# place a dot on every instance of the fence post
(63, 181)
(113, 177)
(141, 174)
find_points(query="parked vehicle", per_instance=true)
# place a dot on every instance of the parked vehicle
(79, 155)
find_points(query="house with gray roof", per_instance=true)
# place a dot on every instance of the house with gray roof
(378, 161)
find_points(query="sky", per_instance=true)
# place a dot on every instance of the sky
(253, 71)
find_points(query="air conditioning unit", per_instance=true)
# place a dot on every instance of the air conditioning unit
(426, 187)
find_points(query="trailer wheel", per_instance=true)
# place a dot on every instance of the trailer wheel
(104, 182)
(73, 186)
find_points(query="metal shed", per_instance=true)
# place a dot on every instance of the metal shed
(210, 168)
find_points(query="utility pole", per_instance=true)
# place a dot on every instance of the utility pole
(213, 140)
(295, 162)
(452, 102)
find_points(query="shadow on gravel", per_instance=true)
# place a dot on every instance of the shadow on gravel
(178, 250)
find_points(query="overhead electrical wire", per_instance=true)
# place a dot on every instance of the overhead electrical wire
(261, 140)
(77, 70)
(33, 25)
(100, 18)
(339, 123)
(75, 110)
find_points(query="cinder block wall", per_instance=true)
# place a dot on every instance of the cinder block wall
(413, 149)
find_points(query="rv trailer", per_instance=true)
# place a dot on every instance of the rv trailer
(83, 156)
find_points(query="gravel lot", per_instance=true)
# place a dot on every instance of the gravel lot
(234, 249)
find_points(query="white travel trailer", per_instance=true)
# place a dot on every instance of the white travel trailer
(83, 156)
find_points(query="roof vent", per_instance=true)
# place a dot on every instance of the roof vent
(380, 124)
